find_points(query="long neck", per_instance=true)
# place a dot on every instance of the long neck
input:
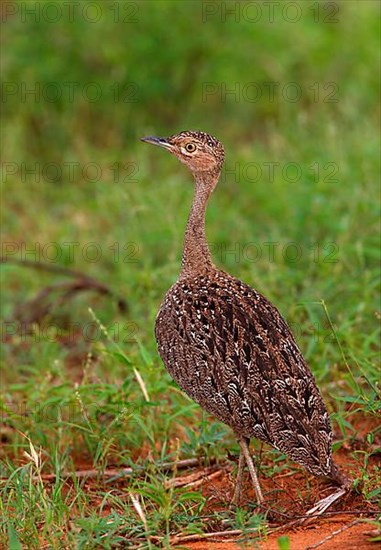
(196, 255)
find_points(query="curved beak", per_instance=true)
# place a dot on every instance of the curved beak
(161, 142)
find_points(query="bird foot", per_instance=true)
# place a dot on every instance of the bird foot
(323, 504)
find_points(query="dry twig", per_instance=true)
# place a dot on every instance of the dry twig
(334, 534)
(195, 479)
(122, 472)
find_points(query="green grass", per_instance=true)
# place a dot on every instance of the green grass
(101, 398)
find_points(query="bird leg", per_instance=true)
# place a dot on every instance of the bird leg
(238, 484)
(244, 444)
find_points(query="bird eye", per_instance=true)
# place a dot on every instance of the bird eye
(190, 147)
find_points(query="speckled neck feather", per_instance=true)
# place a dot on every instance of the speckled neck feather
(196, 254)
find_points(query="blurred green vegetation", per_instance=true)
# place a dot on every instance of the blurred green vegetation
(163, 70)
(151, 73)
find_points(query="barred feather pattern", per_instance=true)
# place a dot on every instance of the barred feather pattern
(231, 351)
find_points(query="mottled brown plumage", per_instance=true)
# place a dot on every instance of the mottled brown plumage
(229, 348)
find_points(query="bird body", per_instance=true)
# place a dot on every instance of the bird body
(229, 348)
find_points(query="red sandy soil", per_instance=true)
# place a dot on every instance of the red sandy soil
(288, 495)
(291, 493)
(293, 500)
(354, 538)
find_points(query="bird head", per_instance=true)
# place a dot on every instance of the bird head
(199, 151)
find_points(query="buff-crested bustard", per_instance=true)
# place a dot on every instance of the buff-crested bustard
(229, 348)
